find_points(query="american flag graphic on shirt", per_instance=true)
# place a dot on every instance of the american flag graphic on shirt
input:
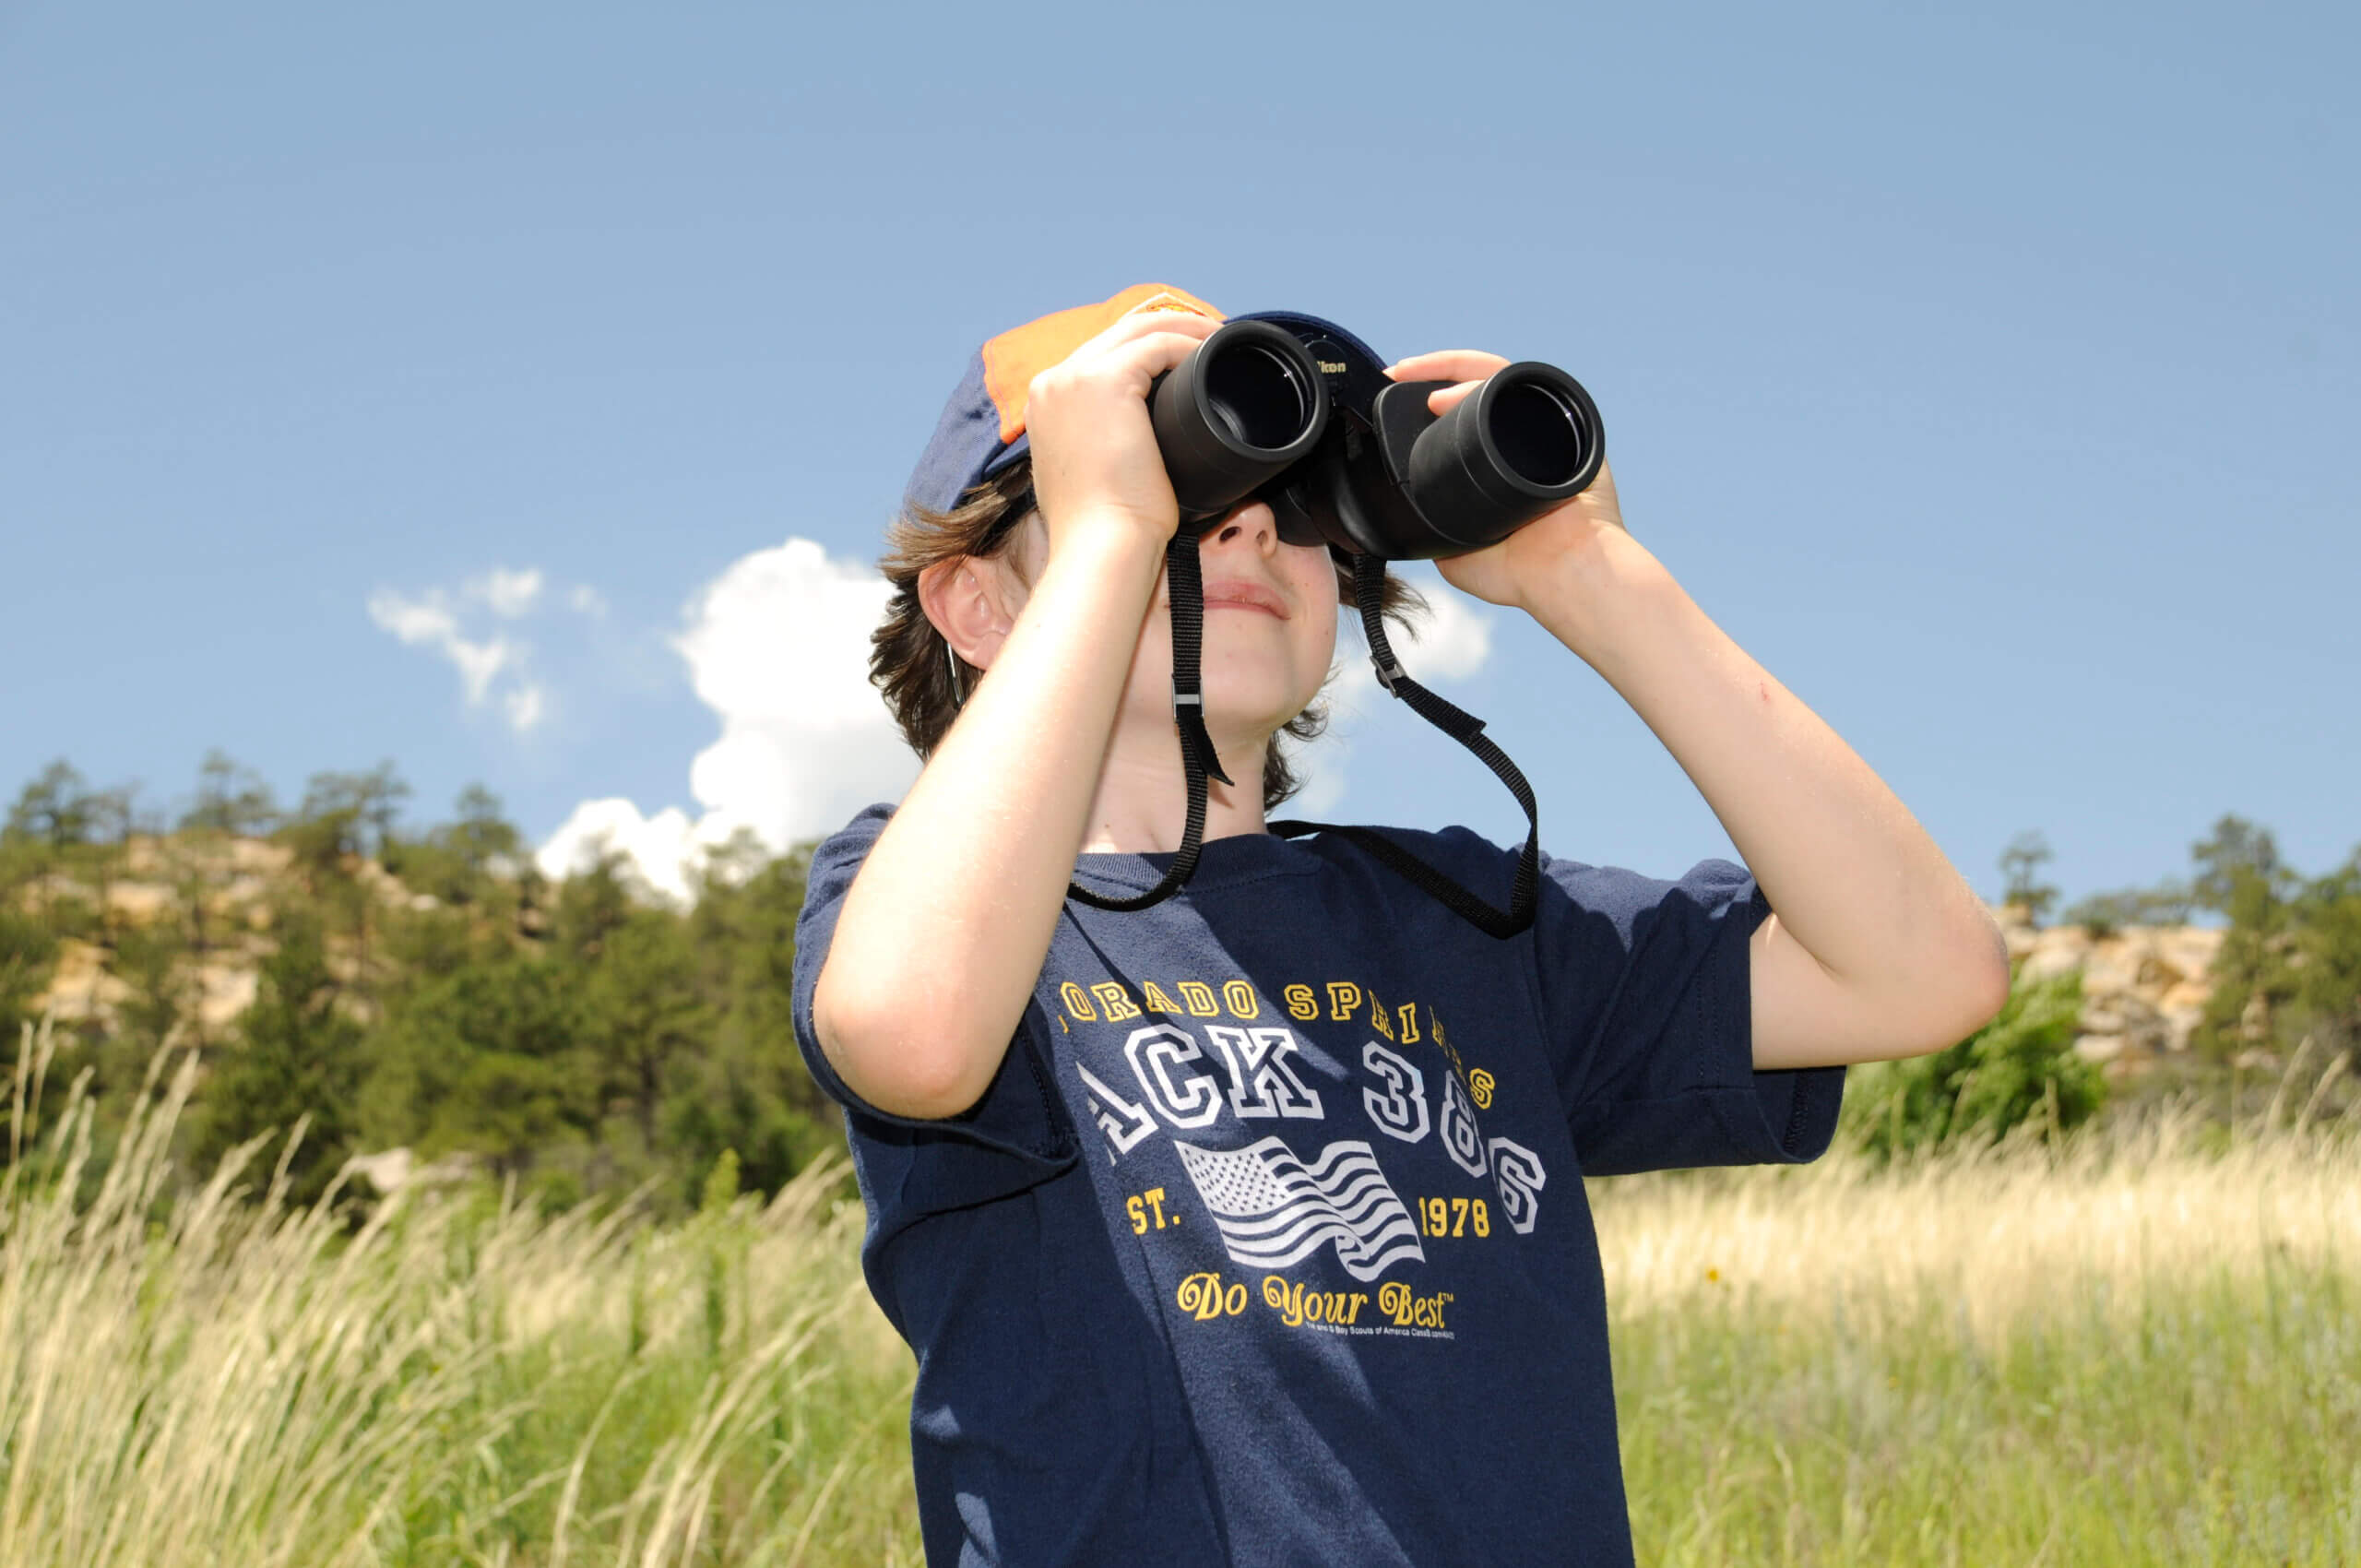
(1274, 1210)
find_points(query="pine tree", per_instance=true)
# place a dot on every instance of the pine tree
(299, 1055)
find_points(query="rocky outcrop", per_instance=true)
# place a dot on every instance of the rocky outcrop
(2144, 988)
(231, 888)
(390, 1171)
(83, 990)
(80, 989)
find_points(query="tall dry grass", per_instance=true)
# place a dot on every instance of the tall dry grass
(2142, 1347)
(187, 1378)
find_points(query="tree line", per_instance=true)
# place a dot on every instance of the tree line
(420, 987)
(426, 987)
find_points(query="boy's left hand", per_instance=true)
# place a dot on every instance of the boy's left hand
(1500, 574)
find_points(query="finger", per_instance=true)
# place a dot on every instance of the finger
(1446, 364)
(1450, 397)
(1150, 356)
(1131, 365)
(1173, 335)
(1135, 325)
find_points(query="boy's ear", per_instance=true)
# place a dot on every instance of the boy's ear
(963, 598)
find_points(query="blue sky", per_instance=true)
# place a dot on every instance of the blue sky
(1985, 373)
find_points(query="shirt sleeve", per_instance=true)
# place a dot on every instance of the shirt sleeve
(1015, 1136)
(1645, 994)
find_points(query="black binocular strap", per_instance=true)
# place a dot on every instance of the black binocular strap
(1368, 587)
(1184, 586)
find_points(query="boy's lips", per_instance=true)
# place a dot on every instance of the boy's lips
(1239, 595)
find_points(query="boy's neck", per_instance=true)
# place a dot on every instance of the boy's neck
(1142, 797)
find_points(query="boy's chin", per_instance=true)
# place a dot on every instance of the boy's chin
(1253, 712)
(1233, 717)
(1248, 692)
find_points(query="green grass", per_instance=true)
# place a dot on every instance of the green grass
(2224, 1426)
(2136, 1354)
(2146, 1349)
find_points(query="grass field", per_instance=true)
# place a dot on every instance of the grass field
(2145, 1350)
(189, 1379)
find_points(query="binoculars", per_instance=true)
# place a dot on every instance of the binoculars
(1301, 413)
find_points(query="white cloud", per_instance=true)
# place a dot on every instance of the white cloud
(1455, 641)
(510, 594)
(660, 849)
(413, 620)
(587, 600)
(434, 621)
(778, 645)
(526, 705)
(1449, 643)
(428, 623)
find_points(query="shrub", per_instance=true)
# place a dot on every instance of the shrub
(28, 952)
(2019, 1070)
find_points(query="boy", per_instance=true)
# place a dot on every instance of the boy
(1249, 1227)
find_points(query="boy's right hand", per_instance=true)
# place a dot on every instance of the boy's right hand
(943, 933)
(1095, 457)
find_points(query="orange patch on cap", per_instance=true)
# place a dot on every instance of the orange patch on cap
(1017, 355)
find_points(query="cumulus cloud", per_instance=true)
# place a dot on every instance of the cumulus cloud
(587, 600)
(778, 645)
(435, 621)
(659, 850)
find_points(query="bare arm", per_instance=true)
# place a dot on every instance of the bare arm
(1878, 947)
(944, 931)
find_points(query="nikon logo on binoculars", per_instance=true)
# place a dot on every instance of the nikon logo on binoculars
(1332, 367)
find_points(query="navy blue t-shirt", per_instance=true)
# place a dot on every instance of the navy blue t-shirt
(1268, 1244)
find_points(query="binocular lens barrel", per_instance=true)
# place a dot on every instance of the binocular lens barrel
(1525, 440)
(1247, 403)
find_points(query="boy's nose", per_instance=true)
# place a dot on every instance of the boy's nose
(1254, 522)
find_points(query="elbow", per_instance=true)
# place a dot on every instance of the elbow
(1976, 987)
(1985, 961)
(927, 1092)
(898, 1059)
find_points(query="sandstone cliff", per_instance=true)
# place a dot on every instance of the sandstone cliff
(2144, 988)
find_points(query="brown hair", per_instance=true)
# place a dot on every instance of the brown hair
(910, 663)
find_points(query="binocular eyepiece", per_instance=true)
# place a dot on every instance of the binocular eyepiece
(1281, 408)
